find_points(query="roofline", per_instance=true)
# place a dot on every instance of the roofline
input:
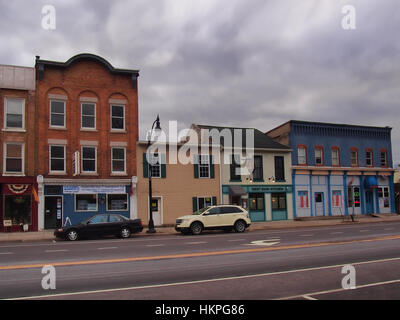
(330, 124)
(85, 56)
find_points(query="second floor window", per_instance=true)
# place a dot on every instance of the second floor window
(89, 159)
(354, 158)
(14, 113)
(368, 158)
(301, 155)
(118, 160)
(335, 157)
(14, 158)
(57, 158)
(258, 168)
(88, 116)
(383, 158)
(204, 166)
(319, 160)
(279, 168)
(57, 113)
(235, 167)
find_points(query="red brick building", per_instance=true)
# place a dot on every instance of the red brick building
(18, 189)
(87, 124)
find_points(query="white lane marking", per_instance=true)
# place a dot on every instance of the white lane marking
(207, 280)
(341, 289)
(6, 253)
(155, 245)
(308, 297)
(196, 242)
(268, 242)
(107, 248)
(59, 250)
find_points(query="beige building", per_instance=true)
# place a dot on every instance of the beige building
(177, 188)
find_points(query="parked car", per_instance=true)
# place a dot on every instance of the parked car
(225, 217)
(101, 225)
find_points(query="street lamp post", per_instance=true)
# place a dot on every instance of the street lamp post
(151, 222)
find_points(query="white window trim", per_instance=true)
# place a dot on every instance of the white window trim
(204, 165)
(97, 203)
(95, 116)
(111, 116)
(95, 160)
(112, 159)
(5, 173)
(23, 114)
(127, 201)
(65, 111)
(65, 167)
(159, 157)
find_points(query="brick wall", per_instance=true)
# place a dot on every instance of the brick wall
(93, 80)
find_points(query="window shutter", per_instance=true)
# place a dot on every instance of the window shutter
(214, 201)
(196, 166)
(194, 199)
(212, 170)
(163, 166)
(145, 166)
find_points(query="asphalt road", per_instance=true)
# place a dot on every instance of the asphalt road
(303, 263)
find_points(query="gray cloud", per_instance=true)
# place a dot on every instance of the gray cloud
(238, 63)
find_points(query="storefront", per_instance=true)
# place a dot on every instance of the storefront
(19, 205)
(263, 202)
(66, 202)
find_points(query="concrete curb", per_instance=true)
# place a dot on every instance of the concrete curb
(273, 225)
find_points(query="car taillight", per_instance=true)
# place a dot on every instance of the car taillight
(140, 222)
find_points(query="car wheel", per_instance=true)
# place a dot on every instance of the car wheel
(196, 228)
(72, 235)
(125, 232)
(240, 226)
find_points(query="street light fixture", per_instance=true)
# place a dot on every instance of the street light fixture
(156, 130)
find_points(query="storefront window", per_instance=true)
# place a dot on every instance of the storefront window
(86, 202)
(353, 196)
(117, 202)
(383, 194)
(18, 209)
(256, 201)
(278, 201)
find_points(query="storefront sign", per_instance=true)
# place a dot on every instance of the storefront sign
(7, 223)
(94, 189)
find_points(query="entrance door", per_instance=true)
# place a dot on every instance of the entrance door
(52, 212)
(319, 204)
(157, 211)
(369, 200)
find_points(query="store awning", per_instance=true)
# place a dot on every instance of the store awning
(236, 191)
(371, 182)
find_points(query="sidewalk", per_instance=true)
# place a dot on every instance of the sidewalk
(272, 225)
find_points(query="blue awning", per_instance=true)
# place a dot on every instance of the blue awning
(371, 182)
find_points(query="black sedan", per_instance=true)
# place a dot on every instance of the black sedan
(101, 225)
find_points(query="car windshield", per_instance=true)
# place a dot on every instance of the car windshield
(198, 212)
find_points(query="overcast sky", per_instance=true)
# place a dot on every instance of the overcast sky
(254, 63)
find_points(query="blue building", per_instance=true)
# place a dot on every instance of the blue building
(339, 169)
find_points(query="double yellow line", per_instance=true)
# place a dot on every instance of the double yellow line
(193, 255)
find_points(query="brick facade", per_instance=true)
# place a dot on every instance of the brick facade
(85, 79)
